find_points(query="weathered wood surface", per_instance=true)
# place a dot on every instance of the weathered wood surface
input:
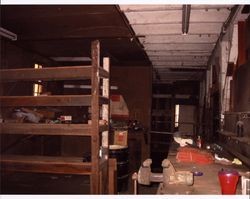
(48, 129)
(50, 73)
(45, 164)
(53, 100)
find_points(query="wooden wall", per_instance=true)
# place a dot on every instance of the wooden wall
(13, 56)
(135, 84)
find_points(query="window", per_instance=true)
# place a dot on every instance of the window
(177, 111)
(37, 88)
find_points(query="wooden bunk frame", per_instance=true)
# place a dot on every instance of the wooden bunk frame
(98, 167)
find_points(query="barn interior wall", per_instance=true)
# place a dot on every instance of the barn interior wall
(135, 85)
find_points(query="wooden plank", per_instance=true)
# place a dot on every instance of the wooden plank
(49, 73)
(112, 182)
(105, 90)
(106, 107)
(54, 100)
(45, 164)
(48, 129)
(95, 112)
(103, 168)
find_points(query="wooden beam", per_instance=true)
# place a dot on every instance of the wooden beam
(48, 129)
(45, 164)
(95, 114)
(49, 73)
(54, 100)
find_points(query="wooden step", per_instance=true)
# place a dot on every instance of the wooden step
(48, 129)
(45, 164)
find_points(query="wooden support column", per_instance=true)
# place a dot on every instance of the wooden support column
(223, 64)
(105, 134)
(95, 113)
(105, 107)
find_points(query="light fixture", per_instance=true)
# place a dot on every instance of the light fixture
(8, 34)
(185, 18)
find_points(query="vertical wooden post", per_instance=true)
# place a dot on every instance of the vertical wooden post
(112, 176)
(95, 113)
(105, 107)
(105, 134)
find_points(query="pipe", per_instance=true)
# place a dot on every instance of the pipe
(186, 9)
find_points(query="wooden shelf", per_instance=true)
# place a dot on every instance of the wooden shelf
(52, 100)
(45, 164)
(48, 129)
(98, 100)
(50, 73)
